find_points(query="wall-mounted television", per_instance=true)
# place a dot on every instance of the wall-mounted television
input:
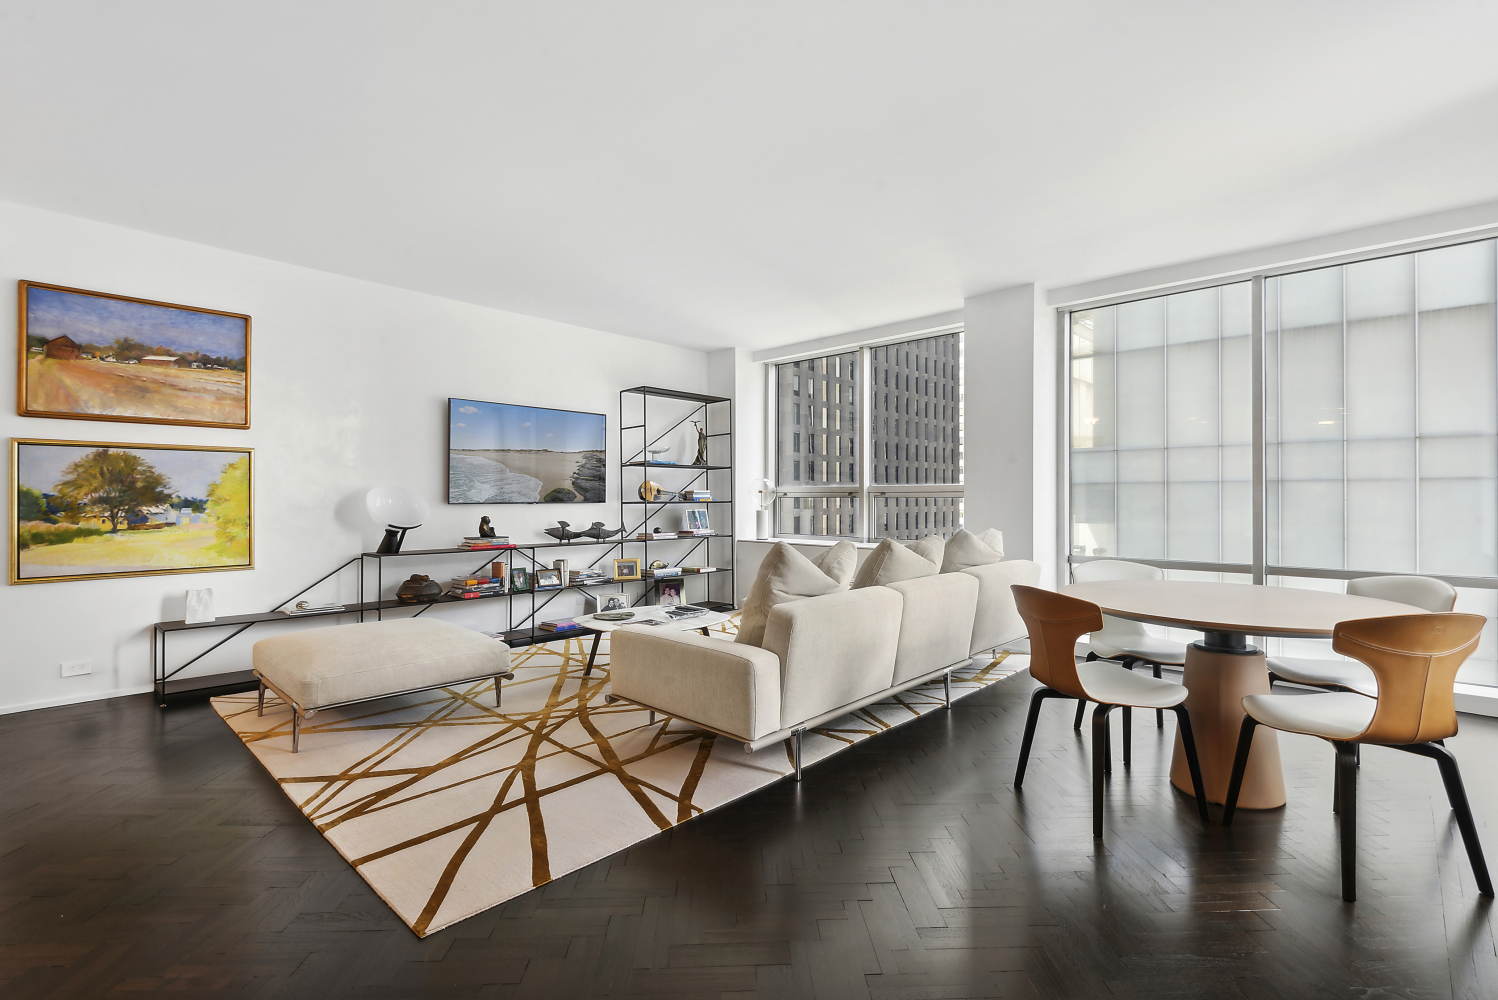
(504, 453)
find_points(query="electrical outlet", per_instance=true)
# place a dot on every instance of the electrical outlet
(75, 667)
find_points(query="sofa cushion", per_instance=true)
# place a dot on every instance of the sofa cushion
(319, 667)
(833, 650)
(931, 547)
(965, 550)
(787, 575)
(891, 562)
(936, 623)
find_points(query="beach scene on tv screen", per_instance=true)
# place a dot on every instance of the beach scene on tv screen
(502, 453)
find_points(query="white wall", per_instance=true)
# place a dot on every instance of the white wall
(349, 390)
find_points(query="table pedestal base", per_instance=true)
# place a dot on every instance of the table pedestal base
(1218, 681)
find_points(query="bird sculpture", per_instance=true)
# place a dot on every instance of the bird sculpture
(601, 533)
(563, 533)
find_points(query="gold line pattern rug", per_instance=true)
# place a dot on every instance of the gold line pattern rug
(447, 805)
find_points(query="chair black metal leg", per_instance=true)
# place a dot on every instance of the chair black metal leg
(1336, 788)
(1091, 656)
(1128, 734)
(1081, 708)
(1240, 764)
(1040, 695)
(1099, 762)
(1107, 741)
(1159, 712)
(1456, 793)
(1193, 763)
(1347, 815)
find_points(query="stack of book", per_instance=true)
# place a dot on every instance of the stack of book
(560, 625)
(699, 569)
(500, 542)
(469, 587)
(695, 532)
(587, 577)
(697, 496)
(647, 536)
(664, 571)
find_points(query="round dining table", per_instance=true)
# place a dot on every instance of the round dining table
(1224, 666)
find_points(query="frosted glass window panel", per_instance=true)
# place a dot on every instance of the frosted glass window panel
(1092, 332)
(1092, 402)
(1141, 520)
(1191, 396)
(1381, 377)
(1458, 533)
(1192, 525)
(1238, 463)
(1310, 384)
(1310, 299)
(1191, 316)
(1237, 522)
(1381, 525)
(1459, 457)
(1456, 277)
(1457, 371)
(1311, 524)
(1093, 533)
(1141, 398)
(1192, 464)
(1092, 466)
(1237, 309)
(1237, 391)
(1311, 460)
(1143, 466)
(1139, 324)
(1381, 288)
(1390, 458)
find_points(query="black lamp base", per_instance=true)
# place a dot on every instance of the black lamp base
(391, 543)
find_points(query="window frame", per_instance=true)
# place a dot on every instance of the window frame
(865, 491)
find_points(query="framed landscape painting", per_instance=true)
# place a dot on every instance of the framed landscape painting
(89, 510)
(95, 356)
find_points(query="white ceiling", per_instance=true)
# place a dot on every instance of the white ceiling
(751, 173)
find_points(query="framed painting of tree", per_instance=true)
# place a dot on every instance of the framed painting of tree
(91, 510)
(96, 356)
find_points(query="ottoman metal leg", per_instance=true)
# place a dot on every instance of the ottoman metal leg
(261, 710)
(296, 730)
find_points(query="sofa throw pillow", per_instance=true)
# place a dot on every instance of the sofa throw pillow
(994, 539)
(891, 562)
(787, 575)
(965, 550)
(932, 547)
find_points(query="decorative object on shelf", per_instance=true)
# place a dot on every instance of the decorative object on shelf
(658, 564)
(486, 530)
(656, 453)
(96, 356)
(563, 532)
(701, 458)
(614, 616)
(762, 515)
(653, 492)
(627, 569)
(670, 593)
(604, 600)
(503, 453)
(601, 533)
(697, 519)
(546, 579)
(418, 590)
(90, 510)
(200, 606)
(520, 580)
(399, 510)
(308, 608)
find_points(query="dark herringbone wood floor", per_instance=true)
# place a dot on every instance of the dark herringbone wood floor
(145, 853)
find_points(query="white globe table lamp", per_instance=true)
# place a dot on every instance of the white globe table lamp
(397, 510)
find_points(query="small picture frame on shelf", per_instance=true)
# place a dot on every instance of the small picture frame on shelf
(697, 519)
(605, 600)
(670, 593)
(520, 580)
(626, 569)
(546, 579)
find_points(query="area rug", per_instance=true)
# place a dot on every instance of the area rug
(448, 806)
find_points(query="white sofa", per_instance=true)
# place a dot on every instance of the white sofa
(822, 657)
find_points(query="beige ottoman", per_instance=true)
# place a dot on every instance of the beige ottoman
(327, 667)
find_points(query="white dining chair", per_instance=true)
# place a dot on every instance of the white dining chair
(1122, 640)
(1350, 675)
(1414, 659)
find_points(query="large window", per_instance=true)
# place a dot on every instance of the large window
(1379, 435)
(869, 442)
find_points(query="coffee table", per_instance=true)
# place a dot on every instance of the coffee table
(1223, 666)
(600, 628)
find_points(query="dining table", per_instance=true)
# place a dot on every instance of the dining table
(1224, 666)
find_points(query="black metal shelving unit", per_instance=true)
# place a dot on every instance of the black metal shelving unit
(637, 433)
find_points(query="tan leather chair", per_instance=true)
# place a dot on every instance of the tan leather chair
(1055, 623)
(1126, 642)
(1414, 659)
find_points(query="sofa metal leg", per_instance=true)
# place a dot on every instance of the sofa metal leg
(652, 716)
(946, 683)
(261, 710)
(796, 751)
(497, 702)
(296, 730)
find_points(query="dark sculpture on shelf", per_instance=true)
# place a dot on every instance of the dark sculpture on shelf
(485, 529)
(601, 533)
(701, 458)
(563, 533)
(419, 590)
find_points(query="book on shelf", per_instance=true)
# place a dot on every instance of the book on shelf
(478, 581)
(699, 569)
(320, 609)
(646, 536)
(488, 539)
(664, 571)
(559, 625)
(474, 546)
(699, 533)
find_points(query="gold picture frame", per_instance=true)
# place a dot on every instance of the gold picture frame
(191, 510)
(631, 565)
(159, 363)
